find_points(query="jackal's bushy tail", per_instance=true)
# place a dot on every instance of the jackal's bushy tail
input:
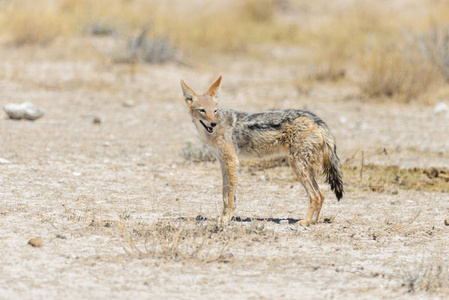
(331, 165)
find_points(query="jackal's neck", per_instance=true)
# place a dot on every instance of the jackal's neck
(215, 138)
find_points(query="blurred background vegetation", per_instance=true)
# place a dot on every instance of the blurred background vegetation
(394, 50)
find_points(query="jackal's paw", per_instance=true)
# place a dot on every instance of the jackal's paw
(304, 223)
(224, 219)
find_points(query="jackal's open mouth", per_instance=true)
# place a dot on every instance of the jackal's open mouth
(208, 128)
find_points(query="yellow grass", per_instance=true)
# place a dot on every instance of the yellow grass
(380, 43)
(228, 27)
(29, 24)
(349, 41)
(403, 74)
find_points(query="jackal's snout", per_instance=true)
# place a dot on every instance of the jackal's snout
(206, 126)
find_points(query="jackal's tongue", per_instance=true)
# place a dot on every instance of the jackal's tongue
(209, 129)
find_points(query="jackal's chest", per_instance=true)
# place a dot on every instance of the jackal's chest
(205, 137)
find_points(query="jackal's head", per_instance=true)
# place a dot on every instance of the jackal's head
(203, 108)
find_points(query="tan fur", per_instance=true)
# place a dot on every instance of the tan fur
(300, 135)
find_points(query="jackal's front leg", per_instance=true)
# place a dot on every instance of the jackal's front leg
(229, 166)
(225, 186)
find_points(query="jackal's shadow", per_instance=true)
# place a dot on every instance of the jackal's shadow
(200, 218)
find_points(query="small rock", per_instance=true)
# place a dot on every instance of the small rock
(343, 120)
(4, 161)
(440, 108)
(25, 110)
(128, 103)
(329, 220)
(33, 113)
(96, 120)
(446, 222)
(35, 242)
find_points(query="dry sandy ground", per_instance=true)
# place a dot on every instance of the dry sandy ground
(83, 188)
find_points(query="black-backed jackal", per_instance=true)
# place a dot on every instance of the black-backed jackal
(300, 135)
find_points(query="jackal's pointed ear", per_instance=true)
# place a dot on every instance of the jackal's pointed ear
(214, 90)
(189, 95)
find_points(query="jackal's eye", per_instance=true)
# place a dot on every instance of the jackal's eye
(215, 111)
(202, 110)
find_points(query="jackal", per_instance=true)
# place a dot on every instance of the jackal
(300, 135)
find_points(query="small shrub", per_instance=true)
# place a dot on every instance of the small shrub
(435, 46)
(149, 50)
(197, 153)
(102, 28)
(198, 241)
(424, 277)
(157, 50)
(330, 72)
(396, 72)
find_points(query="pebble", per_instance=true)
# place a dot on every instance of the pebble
(128, 103)
(446, 222)
(96, 120)
(440, 108)
(35, 242)
(4, 161)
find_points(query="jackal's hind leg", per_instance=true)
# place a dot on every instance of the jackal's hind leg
(305, 176)
(320, 202)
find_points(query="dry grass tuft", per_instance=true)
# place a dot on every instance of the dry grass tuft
(29, 24)
(141, 48)
(194, 153)
(398, 73)
(435, 46)
(378, 178)
(181, 240)
(330, 72)
(426, 277)
(262, 11)
(196, 239)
